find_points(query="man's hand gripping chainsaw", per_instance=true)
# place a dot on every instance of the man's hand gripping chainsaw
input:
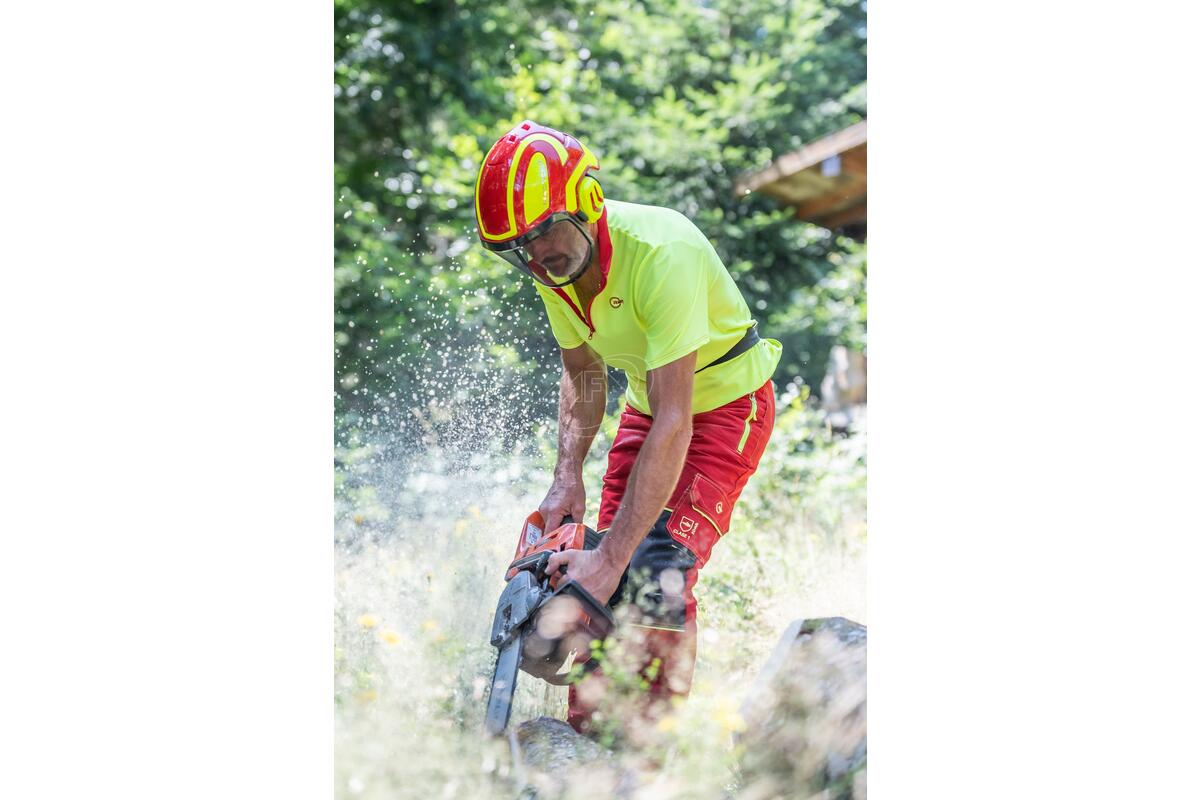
(541, 626)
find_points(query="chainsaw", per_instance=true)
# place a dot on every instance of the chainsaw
(541, 626)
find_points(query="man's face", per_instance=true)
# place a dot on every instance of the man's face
(561, 251)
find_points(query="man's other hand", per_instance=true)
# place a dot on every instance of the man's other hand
(591, 569)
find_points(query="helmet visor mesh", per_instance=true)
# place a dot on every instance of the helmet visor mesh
(555, 255)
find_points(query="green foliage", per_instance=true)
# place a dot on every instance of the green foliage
(676, 98)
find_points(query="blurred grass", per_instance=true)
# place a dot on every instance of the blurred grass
(419, 562)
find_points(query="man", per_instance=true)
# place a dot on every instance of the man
(639, 288)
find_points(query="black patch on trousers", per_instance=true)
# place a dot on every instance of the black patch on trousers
(641, 582)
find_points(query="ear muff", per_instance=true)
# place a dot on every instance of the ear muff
(591, 198)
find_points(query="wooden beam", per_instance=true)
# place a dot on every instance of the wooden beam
(805, 157)
(799, 188)
(781, 193)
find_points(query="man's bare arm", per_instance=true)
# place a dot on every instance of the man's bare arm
(654, 475)
(582, 394)
(660, 461)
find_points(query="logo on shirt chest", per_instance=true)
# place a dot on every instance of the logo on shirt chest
(616, 302)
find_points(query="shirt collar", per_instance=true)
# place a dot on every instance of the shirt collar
(605, 245)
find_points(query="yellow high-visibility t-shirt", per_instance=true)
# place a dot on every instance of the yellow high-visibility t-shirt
(666, 294)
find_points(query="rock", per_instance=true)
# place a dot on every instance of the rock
(806, 716)
(805, 729)
(551, 745)
(554, 761)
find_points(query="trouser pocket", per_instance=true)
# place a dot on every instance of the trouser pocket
(701, 516)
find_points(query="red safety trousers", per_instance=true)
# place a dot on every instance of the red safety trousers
(727, 443)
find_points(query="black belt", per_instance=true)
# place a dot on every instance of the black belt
(747, 341)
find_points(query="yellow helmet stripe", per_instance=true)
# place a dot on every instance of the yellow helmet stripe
(588, 160)
(537, 188)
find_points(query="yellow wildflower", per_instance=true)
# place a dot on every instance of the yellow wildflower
(368, 621)
(390, 638)
(727, 716)
(431, 627)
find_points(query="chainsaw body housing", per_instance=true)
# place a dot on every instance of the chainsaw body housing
(540, 624)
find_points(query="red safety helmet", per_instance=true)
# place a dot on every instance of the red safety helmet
(535, 180)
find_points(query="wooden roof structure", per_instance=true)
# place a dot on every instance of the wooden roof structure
(825, 182)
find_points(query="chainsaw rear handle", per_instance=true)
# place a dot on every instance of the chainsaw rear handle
(591, 539)
(535, 563)
(534, 546)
